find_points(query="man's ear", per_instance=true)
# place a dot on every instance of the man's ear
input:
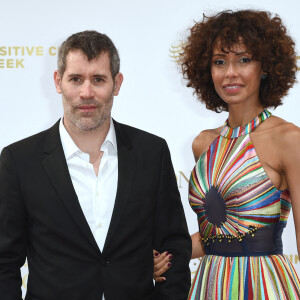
(118, 83)
(57, 81)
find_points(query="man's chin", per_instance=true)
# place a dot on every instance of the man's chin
(88, 126)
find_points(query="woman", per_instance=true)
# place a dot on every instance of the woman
(247, 171)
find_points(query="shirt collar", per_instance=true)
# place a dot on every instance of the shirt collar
(70, 147)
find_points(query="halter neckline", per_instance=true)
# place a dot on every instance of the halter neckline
(229, 132)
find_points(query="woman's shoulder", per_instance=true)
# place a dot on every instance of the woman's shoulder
(203, 140)
(288, 134)
(281, 129)
(280, 133)
(285, 141)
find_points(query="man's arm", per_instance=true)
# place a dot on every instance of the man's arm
(12, 229)
(171, 234)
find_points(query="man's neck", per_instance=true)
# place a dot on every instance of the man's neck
(89, 141)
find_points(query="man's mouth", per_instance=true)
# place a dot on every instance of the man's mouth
(87, 108)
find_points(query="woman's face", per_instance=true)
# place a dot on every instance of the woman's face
(235, 75)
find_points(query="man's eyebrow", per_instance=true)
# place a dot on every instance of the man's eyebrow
(79, 75)
(74, 75)
(100, 75)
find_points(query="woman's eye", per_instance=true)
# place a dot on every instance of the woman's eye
(219, 62)
(245, 59)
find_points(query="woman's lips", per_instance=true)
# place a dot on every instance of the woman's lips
(232, 88)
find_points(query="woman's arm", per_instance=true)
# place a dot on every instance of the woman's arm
(290, 156)
(162, 260)
(197, 247)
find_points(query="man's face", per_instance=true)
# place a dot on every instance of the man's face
(87, 89)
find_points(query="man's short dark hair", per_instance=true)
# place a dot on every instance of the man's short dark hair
(92, 44)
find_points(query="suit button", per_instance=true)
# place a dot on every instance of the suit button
(104, 263)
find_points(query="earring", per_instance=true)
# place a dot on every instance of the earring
(263, 76)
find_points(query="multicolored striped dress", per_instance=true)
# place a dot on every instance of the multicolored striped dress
(241, 217)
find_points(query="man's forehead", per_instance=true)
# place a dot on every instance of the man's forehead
(77, 62)
(79, 53)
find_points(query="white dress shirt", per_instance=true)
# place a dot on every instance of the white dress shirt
(96, 194)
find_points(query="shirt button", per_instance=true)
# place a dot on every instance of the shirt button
(99, 225)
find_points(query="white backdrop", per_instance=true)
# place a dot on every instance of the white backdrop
(153, 96)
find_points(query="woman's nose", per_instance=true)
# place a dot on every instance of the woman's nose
(231, 71)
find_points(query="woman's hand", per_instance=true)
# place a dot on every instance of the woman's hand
(161, 265)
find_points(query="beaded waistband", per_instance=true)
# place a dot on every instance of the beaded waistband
(265, 241)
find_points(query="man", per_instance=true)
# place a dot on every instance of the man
(87, 200)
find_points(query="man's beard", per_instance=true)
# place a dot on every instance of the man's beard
(87, 121)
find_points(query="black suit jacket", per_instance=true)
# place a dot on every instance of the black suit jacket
(41, 219)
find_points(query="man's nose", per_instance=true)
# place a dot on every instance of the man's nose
(87, 90)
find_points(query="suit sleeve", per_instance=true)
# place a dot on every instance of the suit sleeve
(171, 234)
(12, 229)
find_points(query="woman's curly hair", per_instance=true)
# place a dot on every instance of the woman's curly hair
(264, 36)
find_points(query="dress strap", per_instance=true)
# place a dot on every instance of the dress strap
(229, 132)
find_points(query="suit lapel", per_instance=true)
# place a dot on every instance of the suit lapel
(126, 172)
(57, 170)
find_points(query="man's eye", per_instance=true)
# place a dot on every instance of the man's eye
(98, 80)
(75, 79)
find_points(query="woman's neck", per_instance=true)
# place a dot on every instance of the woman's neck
(240, 116)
